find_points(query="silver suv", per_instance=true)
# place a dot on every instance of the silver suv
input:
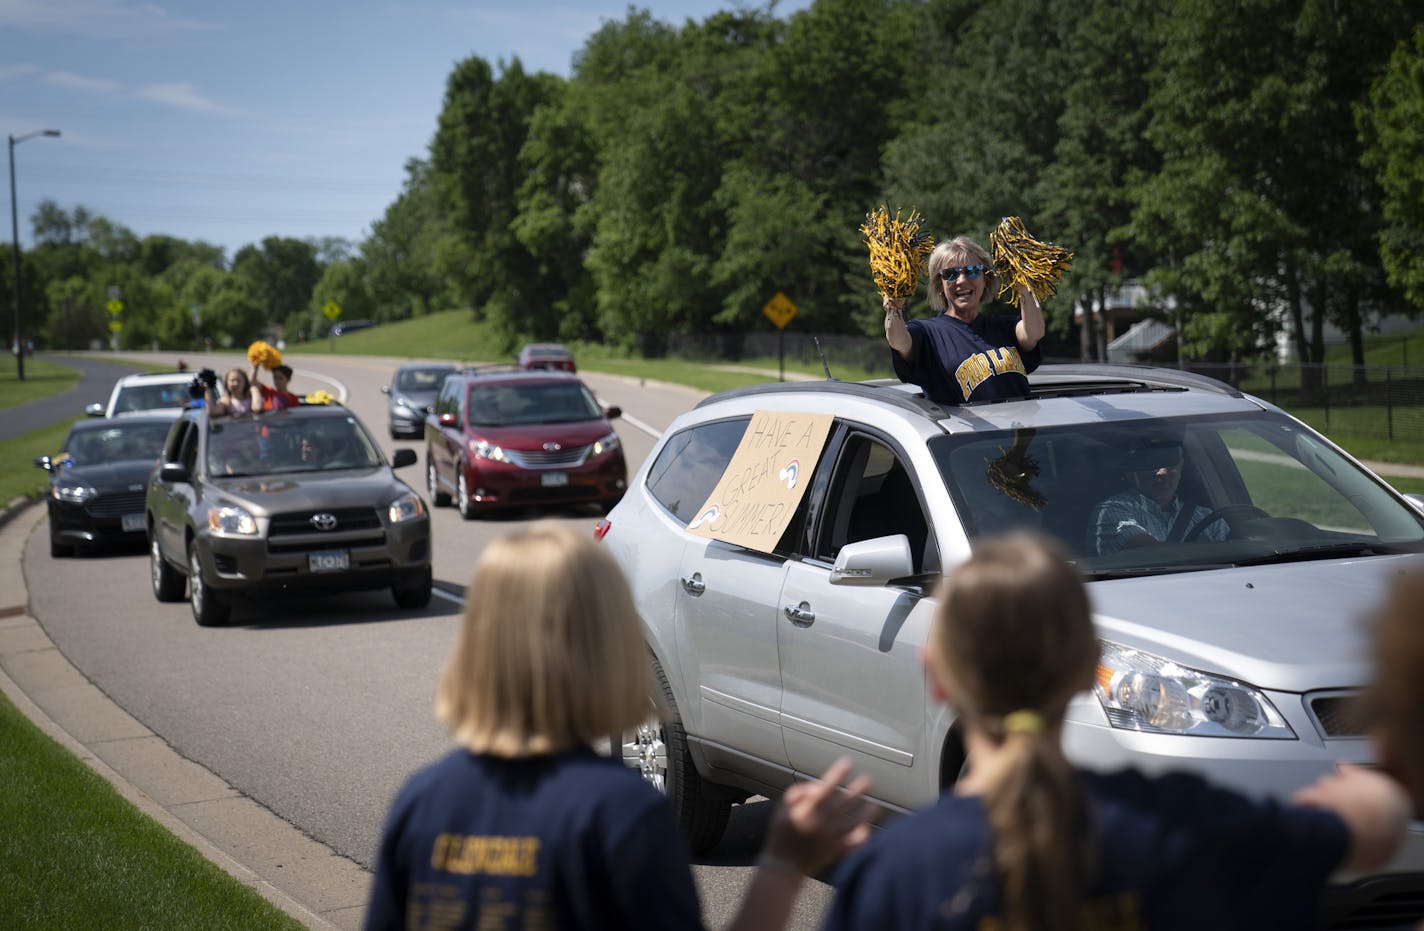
(1231, 635)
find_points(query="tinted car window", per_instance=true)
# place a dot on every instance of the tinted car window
(150, 397)
(872, 495)
(691, 463)
(116, 443)
(510, 405)
(257, 447)
(421, 379)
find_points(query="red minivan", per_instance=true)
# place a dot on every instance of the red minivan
(508, 439)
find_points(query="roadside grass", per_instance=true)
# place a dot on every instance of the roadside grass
(42, 380)
(76, 854)
(18, 475)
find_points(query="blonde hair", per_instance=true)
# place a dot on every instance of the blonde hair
(1395, 703)
(550, 655)
(1012, 642)
(965, 251)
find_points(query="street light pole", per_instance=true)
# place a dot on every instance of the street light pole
(15, 247)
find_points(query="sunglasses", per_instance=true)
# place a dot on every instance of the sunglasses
(970, 272)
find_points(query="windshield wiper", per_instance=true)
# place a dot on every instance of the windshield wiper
(1328, 551)
(1132, 572)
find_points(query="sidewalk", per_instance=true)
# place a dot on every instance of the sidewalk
(253, 845)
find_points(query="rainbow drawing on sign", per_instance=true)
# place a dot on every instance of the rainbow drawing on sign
(708, 516)
(789, 472)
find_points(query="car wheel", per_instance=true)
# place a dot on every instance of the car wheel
(167, 581)
(207, 610)
(658, 749)
(416, 596)
(59, 550)
(462, 495)
(438, 498)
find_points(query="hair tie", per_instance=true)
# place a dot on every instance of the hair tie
(1023, 722)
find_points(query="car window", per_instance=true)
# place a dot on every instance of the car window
(134, 398)
(518, 404)
(1163, 493)
(871, 494)
(117, 443)
(263, 447)
(421, 379)
(691, 463)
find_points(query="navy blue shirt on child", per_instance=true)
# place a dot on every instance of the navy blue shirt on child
(1173, 852)
(955, 362)
(569, 841)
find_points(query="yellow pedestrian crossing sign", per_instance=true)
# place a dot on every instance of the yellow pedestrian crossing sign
(779, 310)
(332, 310)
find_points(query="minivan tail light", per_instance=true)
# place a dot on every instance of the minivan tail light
(600, 529)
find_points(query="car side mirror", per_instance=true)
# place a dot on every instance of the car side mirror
(385, 389)
(873, 562)
(613, 412)
(94, 410)
(42, 462)
(174, 473)
(447, 420)
(403, 457)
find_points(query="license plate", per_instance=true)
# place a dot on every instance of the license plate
(329, 561)
(554, 479)
(133, 522)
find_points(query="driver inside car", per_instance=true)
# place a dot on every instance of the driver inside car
(1149, 510)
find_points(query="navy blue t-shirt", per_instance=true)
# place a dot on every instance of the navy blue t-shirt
(955, 362)
(574, 840)
(1173, 854)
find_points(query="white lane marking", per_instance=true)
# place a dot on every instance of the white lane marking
(642, 426)
(441, 593)
(340, 386)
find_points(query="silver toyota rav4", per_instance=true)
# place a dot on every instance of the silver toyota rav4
(1232, 643)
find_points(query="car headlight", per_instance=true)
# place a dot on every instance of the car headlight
(230, 519)
(406, 507)
(1143, 692)
(607, 444)
(74, 494)
(483, 449)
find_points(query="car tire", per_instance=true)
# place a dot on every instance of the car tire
(701, 815)
(462, 494)
(438, 498)
(208, 611)
(168, 582)
(416, 596)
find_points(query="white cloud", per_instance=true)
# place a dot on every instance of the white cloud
(101, 19)
(181, 96)
(10, 72)
(78, 82)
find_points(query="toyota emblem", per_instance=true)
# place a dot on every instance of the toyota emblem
(324, 521)
(552, 447)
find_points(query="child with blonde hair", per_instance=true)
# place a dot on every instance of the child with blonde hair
(1025, 842)
(524, 825)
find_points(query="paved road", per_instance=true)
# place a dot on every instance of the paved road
(96, 380)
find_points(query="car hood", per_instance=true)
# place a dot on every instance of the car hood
(110, 475)
(1291, 628)
(306, 491)
(535, 435)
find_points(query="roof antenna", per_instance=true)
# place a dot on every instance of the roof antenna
(817, 341)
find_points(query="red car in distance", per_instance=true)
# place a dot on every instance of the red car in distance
(546, 356)
(509, 438)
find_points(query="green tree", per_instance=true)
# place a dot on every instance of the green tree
(1394, 151)
(399, 255)
(280, 273)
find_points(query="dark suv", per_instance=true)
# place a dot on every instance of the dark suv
(507, 438)
(291, 501)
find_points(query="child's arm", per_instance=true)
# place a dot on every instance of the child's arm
(1373, 806)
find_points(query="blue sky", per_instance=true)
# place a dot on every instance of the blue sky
(232, 121)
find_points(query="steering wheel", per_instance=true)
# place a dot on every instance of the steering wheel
(1231, 513)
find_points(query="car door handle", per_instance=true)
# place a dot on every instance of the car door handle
(694, 585)
(800, 614)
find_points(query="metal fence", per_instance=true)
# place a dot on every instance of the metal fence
(1377, 402)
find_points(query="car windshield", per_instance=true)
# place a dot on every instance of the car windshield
(514, 404)
(1151, 496)
(150, 397)
(117, 442)
(267, 446)
(421, 379)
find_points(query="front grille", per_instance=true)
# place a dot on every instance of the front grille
(1337, 714)
(117, 505)
(1386, 903)
(547, 459)
(347, 519)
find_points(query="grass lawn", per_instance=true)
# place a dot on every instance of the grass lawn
(42, 379)
(75, 854)
(18, 475)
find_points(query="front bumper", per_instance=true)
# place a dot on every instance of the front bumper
(502, 484)
(99, 521)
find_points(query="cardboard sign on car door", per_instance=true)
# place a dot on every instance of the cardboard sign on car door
(758, 493)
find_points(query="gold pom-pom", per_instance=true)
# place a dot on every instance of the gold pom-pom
(319, 396)
(897, 250)
(1023, 261)
(264, 354)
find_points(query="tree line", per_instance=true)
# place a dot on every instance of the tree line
(1253, 164)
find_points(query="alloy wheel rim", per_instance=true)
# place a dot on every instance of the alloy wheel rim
(648, 755)
(464, 492)
(155, 565)
(196, 581)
